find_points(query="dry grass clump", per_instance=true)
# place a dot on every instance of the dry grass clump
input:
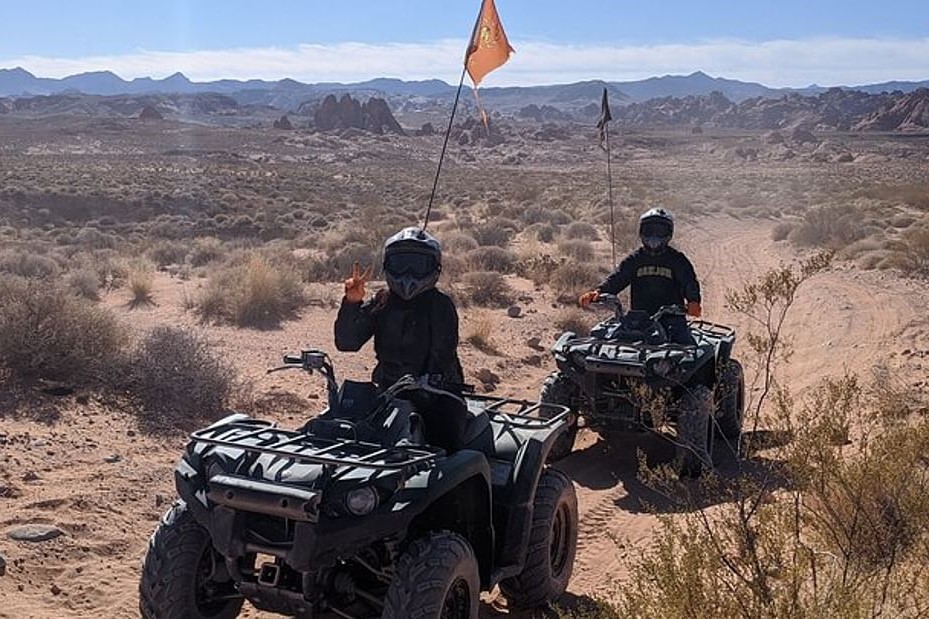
(487, 288)
(544, 233)
(178, 381)
(781, 231)
(480, 334)
(581, 230)
(254, 294)
(140, 282)
(579, 250)
(46, 332)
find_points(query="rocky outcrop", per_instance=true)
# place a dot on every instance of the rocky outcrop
(283, 123)
(908, 112)
(150, 113)
(348, 113)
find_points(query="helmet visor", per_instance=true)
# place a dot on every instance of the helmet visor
(410, 263)
(655, 229)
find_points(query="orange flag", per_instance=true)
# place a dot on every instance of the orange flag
(489, 47)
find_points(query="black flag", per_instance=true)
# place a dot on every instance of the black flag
(605, 117)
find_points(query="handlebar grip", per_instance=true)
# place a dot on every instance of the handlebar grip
(291, 359)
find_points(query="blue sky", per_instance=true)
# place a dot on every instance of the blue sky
(787, 43)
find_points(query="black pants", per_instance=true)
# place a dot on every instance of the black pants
(444, 419)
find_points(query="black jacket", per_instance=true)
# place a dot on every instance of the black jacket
(418, 337)
(657, 280)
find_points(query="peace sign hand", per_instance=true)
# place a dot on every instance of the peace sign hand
(355, 285)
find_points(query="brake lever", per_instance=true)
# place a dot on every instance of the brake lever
(283, 367)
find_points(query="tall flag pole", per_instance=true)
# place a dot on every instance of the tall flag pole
(487, 50)
(603, 124)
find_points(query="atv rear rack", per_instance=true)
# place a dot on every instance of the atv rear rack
(264, 437)
(520, 413)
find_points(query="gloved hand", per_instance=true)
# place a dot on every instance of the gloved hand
(694, 309)
(355, 285)
(588, 297)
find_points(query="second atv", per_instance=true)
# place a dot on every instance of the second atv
(627, 375)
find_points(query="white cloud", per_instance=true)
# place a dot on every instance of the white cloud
(826, 61)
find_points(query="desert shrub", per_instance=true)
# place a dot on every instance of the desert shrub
(27, 264)
(205, 250)
(457, 242)
(544, 233)
(491, 259)
(781, 231)
(573, 278)
(46, 332)
(575, 319)
(579, 250)
(538, 267)
(453, 267)
(91, 238)
(84, 283)
(581, 230)
(339, 265)
(178, 380)
(164, 253)
(830, 227)
(493, 234)
(487, 288)
(255, 294)
(912, 256)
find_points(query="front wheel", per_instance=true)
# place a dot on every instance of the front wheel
(552, 544)
(695, 432)
(730, 399)
(182, 575)
(559, 389)
(437, 577)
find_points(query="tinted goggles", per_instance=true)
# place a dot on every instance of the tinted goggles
(656, 229)
(416, 264)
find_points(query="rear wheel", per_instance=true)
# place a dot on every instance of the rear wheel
(559, 389)
(552, 544)
(695, 432)
(437, 577)
(730, 399)
(182, 575)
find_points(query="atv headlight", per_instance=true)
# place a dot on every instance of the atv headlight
(361, 501)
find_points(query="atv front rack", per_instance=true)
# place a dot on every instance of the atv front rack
(264, 437)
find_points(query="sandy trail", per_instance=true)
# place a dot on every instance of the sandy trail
(58, 467)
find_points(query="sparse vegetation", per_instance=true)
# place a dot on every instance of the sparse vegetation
(480, 334)
(254, 294)
(178, 381)
(487, 288)
(48, 333)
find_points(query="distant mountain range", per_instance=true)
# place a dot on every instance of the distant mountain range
(289, 94)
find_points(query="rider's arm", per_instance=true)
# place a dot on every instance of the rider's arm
(443, 354)
(687, 279)
(617, 281)
(354, 325)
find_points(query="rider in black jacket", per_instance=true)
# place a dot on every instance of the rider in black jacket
(414, 325)
(658, 274)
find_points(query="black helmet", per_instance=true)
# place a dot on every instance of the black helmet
(412, 262)
(656, 227)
